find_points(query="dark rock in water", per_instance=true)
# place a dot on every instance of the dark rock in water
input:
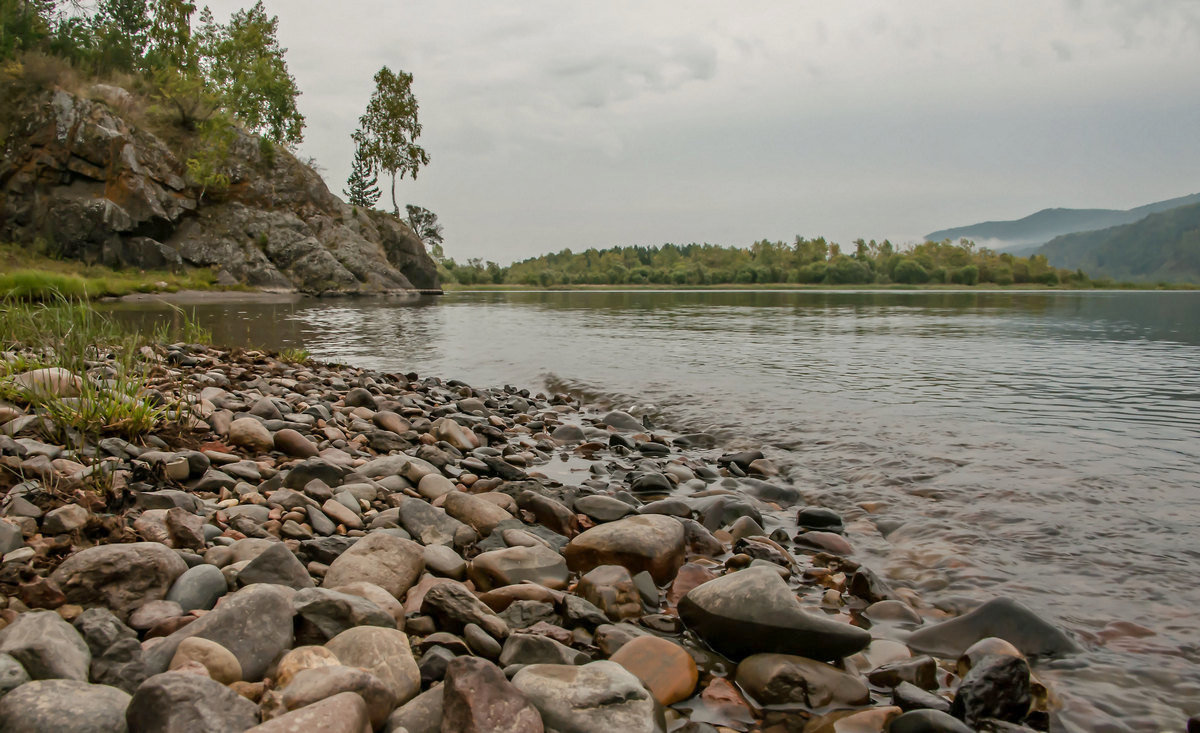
(908, 696)
(782, 679)
(920, 671)
(602, 508)
(46, 646)
(996, 687)
(276, 565)
(255, 624)
(63, 705)
(504, 469)
(927, 721)
(673, 507)
(651, 483)
(623, 421)
(178, 701)
(650, 448)
(1001, 617)
(117, 657)
(764, 491)
(869, 586)
(753, 611)
(622, 441)
(820, 519)
(741, 460)
(478, 698)
(723, 510)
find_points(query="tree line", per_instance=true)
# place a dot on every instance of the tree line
(808, 261)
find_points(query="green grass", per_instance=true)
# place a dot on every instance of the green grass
(68, 333)
(27, 275)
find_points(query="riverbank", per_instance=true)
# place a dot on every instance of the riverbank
(546, 533)
(818, 287)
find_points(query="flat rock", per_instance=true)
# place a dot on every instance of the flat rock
(63, 705)
(344, 712)
(383, 559)
(477, 698)
(753, 611)
(481, 515)
(255, 624)
(119, 577)
(178, 702)
(512, 565)
(601, 696)
(603, 508)
(46, 646)
(786, 679)
(650, 542)
(664, 667)
(49, 382)
(1000, 617)
(384, 653)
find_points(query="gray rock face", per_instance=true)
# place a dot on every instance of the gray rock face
(119, 577)
(53, 705)
(255, 624)
(111, 192)
(597, 696)
(46, 646)
(178, 702)
(1001, 617)
(753, 611)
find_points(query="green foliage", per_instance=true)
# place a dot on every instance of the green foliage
(243, 63)
(26, 275)
(424, 224)
(266, 152)
(361, 189)
(187, 95)
(388, 130)
(909, 271)
(210, 151)
(121, 32)
(24, 25)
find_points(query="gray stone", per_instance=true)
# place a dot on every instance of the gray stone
(601, 696)
(344, 712)
(422, 714)
(331, 612)
(602, 508)
(180, 702)
(453, 607)
(63, 705)
(276, 565)
(117, 657)
(255, 624)
(198, 588)
(431, 525)
(46, 646)
(753, 611)
(12, 674)
(532, 649)
(10, 537)
(120, 577)
(66, 518)
(389, 562)
(443, 561)
(1000, 617)
(384, 653)
(316, 684)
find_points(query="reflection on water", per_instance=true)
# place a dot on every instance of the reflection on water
(1040, 445)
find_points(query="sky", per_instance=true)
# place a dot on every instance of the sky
(554, 124)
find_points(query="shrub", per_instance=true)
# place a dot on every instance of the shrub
(910, 271)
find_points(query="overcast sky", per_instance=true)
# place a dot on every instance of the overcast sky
(561, 124)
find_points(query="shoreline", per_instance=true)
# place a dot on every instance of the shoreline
(512, 487)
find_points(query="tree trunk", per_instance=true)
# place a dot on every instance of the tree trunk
(395, 206)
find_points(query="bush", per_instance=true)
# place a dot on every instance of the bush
(910, 271)
(848, 271)
(968, 275)
(814, 272)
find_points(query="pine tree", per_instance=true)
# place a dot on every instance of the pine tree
(361, 189)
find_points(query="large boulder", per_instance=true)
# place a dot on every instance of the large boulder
(380, 558)
(753, 611)
(181, 702)
(597, 696)
(255, 624)
(650, 542)
(119, 577)
(48, 647)
(53, 705)
(384, 653)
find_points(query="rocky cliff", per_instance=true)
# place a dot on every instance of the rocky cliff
(83, 179)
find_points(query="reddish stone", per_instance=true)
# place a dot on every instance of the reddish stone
(664, 667)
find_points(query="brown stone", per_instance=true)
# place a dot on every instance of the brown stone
(784, 679)
(383, 559)
(314, 685)
(689, 576)
(300, 659)
(651, 542)
(513, 565)
(479, 699)
(664, 667)
(610, 588)
(344, 712)
(294, 444)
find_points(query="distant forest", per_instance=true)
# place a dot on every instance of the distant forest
(810, 261)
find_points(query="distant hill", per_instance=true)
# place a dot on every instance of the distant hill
(1022, 236)
(1163, 246)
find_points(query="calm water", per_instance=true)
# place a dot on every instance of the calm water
(1044, 446)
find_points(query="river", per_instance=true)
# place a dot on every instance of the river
(1038, 445)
